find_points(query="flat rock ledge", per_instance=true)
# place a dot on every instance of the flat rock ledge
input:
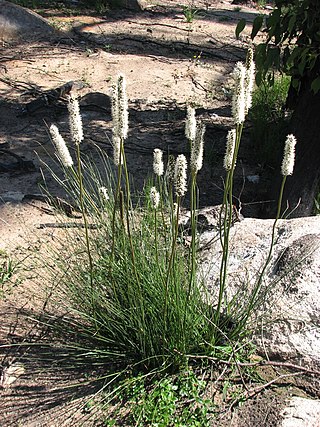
(287, 319)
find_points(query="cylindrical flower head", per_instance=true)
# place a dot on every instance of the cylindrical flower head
(191, 124)
(104, 193)
(154, 197)
(61, 147)
(231, 143)
(180, 176)
(175, 210)
(238, 100)
(197, 149)
(288, 156)
(75, 120)
(157, 162)
(170, 169)
(249, 80)
(119, 106)
(115, 111)
(116, 144)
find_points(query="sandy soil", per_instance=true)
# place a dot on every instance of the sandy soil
(168, 63)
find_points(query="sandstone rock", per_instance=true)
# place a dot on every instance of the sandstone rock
(136, 5)
(287, 318)
(301, 412)
(17, 23)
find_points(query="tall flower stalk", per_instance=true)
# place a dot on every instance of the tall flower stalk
(243, 75)
(286, 170)
(155, 199)
(196, 161)
(180, 183)
(120, 120)
(158, 170)
(76, 130)
(169, 181)
(122, 198)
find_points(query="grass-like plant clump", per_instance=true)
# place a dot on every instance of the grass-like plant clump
(136, 302)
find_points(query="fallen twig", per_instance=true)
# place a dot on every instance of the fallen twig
(67, 225)
(286, 365)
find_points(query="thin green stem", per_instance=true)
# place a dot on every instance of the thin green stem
(161, 193)
(156, 236)
(193, 224)
(266, 264)
(116, 201)
(132, 251)
(172, 222)
(128, 205)
(192, 255)
(86, 228)
(171, 261)
(227, 209)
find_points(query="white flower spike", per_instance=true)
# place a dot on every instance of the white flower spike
(249, 80)
(120, 115)
(231, 144)
(180, 176)
(191, 124)
(61, 147)
(158, 167)
(288, 156)
(75, 120)
(155, 197)
(239, 96)
(196, 160)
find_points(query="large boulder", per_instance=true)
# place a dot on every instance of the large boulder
(136, 5)
(287, 318)
(301, 412)
(19, 23)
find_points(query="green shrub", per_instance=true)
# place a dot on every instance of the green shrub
(269, 119)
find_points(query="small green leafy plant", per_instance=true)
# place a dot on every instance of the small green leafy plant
(190, 12)
(6, 271)
(261, 3)
(169, 401)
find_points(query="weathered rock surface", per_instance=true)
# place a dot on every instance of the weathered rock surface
(16, 23)
(136, 5)
(288, 315)
(301, 412)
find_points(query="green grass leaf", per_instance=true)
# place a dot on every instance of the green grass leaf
(240, 27)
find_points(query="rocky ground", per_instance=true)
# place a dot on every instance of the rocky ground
(169, 63)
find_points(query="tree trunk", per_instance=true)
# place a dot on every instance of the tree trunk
(302, 187)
